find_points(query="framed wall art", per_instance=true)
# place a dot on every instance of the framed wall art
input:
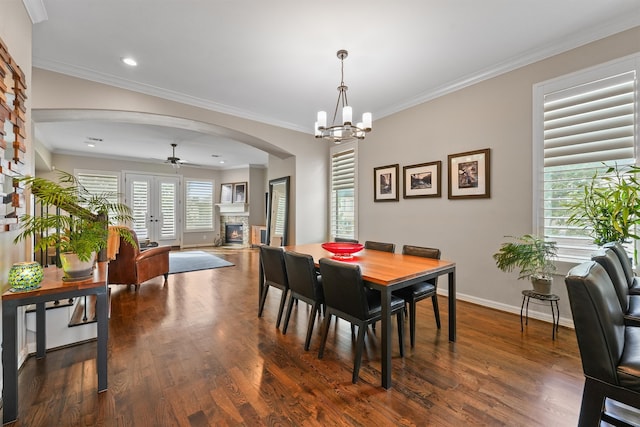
(422, 180)
(385, 183)
(226, 193)
(469, 175)
(240, 192)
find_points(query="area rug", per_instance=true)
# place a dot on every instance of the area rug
(181, 262)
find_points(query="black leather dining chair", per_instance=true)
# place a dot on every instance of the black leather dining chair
(608, 347)
(346, 297)
(414, 293)
(380, 246)
(275, 274)
(344, 240)
(632, 280)
(305, 285)
(629, 304)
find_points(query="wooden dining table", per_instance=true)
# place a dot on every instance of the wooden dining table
(387, 272)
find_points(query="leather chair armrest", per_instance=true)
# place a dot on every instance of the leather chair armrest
(151, 252)
(631, 320)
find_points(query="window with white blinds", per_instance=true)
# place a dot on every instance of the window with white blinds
(587, 127)
(198, 205)
(343, 192)
(100, 184)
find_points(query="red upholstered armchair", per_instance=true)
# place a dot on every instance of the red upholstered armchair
(132, 267)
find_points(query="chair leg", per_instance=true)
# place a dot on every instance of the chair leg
(358, 359)
(283, 299)
(166, 276)
(312, 319)
(412, 323)
(593, 398)
(436, 310)
(263, 298)
(401, 331)
(288, 315)
(325, 332)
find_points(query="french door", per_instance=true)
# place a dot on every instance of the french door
(154, 202)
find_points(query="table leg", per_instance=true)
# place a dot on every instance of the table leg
(386, 338)
(9, 363)
(41, 330)
(103, 335)
(452, 305)
(260, 283)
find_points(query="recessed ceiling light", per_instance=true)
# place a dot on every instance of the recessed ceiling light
(130, 61)
(221, 161)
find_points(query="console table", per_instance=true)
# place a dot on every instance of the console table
(52, 288)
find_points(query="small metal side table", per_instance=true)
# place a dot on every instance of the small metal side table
(553, 302)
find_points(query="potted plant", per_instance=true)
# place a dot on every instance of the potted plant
(533, 256)
(609, 205)
(80, 228)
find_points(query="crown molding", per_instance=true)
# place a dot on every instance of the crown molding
(35, 9)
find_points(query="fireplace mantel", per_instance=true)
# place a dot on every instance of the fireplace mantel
(233, 208)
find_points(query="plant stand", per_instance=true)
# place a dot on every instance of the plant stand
(553, 303)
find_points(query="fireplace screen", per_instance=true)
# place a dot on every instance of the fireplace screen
(233, 233)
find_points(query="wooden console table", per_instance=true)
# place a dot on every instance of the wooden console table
(52, 288)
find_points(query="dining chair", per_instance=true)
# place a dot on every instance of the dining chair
(414, 293)
(627, 265)
(345, 240)
(305, 285)
(608, 348)
(275, 274)
(380, 246)
(346, 297)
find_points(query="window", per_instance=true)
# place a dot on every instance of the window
(343, 203)
(104, 184)
(584, 121)
(198, 205)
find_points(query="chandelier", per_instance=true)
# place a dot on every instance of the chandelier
(345, 131)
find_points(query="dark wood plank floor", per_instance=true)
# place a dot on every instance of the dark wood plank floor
(194, 353)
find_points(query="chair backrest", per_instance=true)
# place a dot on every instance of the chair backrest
(343, 288)
(345, 240)
(380, 246)
(624, 259)
(425, 253)
(611, 263)
(273, 267)
(301, 272)
(598, 320)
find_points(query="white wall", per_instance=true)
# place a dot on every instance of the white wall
(495, 114)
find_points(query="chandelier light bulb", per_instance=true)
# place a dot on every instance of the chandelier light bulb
(347, 115)
(322, 120)
(366, 122)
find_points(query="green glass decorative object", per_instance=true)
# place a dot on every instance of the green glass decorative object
(25, 276)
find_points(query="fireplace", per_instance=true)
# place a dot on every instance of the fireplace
(233, 233)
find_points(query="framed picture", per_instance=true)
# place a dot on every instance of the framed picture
(469, 175)
(422, 180)
(385, 183)
(226, 193)
(240, 192)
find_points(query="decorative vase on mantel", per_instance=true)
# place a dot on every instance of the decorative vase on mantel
(76, 269)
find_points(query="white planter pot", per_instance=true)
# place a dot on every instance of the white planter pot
(74, 268)
(541, 285)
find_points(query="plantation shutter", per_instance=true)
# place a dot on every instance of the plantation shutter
(343, 182)
(584, 126)
(199, 205)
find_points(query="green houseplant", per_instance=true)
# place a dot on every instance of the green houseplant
(80, 228)
(532, 256)
(609, 205)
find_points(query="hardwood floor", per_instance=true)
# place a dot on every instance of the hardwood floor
(194, 353)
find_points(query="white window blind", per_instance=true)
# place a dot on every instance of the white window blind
(343, 193)
(100, 185)
(140, 208)
(585, 126)
(168, 212)
(198, 205)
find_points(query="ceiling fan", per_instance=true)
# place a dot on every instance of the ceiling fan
(173, 160)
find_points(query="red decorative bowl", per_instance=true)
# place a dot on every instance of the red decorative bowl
(342, 251)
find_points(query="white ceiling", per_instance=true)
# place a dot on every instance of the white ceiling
(275, 61)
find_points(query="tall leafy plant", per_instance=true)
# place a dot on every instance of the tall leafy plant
(531, 255)
(609, 205)
(82, 225)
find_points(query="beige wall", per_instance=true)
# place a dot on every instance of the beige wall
(495, 114)
(57, 91)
